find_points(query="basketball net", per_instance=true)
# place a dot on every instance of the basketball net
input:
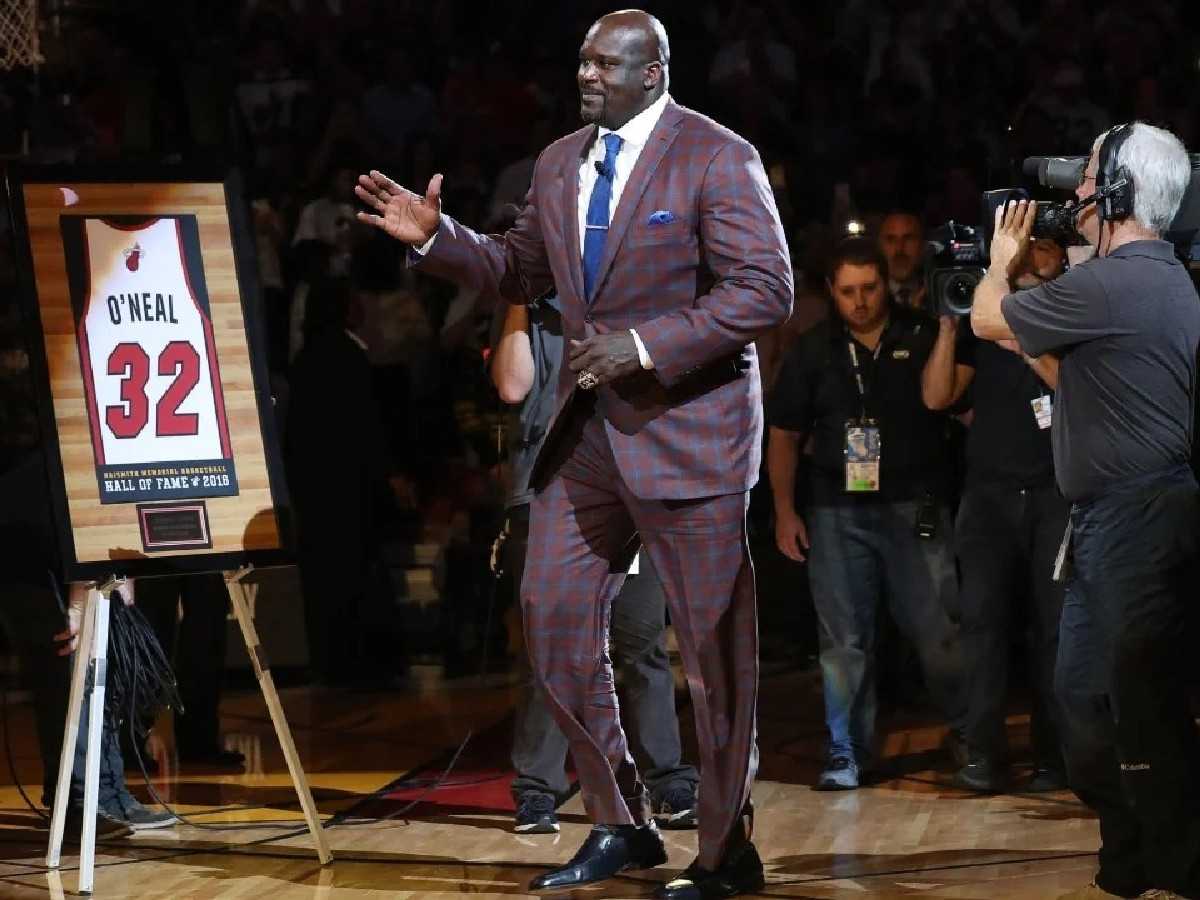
(18, 34)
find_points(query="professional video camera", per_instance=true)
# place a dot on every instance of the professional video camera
(956, 256)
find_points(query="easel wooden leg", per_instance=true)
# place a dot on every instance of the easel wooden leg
(91, 656)
(66, 762)
(97, 601)
(54, 885)
(240, 597)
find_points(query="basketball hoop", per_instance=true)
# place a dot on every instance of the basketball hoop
(18, 34)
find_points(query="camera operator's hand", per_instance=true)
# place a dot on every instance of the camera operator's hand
(791, 535)
(948, 324)
(1010, 240)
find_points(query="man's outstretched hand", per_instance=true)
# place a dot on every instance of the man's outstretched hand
(402, 214)
(607, 356)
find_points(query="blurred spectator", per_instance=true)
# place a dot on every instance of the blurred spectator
(337, 472)
(512, 181)
(269, 240)
(268, 96)
(398, 105)
(754, 72)
(956, 198)
(1075, 116)
(330, 219)
(345, 136)
(312, 265)
(902, 240)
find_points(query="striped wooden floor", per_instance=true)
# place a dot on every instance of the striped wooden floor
(909, 836)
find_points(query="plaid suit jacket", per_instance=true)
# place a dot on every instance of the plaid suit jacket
(698, 285)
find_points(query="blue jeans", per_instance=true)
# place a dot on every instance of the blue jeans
(1126, 649)
(862, 553)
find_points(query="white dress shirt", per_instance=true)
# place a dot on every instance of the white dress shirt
(634, 135)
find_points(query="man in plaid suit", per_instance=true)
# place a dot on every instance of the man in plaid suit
(660, 233)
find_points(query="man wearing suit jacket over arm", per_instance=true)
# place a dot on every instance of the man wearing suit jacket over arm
(659, 231)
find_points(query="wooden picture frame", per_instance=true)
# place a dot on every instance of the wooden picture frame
(139, 296)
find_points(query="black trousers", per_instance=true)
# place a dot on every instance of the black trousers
(644, 680)
(1006, 541)
(196, 648)
(1126, 649)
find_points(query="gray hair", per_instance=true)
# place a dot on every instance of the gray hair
(1161, 171)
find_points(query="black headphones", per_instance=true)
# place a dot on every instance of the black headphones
(1114, 184)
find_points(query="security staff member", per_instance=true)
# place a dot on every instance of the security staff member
(1010, 522)
(1125, 326)
(876, 522)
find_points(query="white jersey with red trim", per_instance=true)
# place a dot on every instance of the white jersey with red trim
(148, 349)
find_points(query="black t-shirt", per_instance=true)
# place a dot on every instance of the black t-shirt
(816, 394)
(1005, 446)
(1126, 327)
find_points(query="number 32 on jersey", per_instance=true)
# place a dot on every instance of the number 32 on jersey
(146, 347)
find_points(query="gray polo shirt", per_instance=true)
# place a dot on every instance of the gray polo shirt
(527, 425)
(1126, 328)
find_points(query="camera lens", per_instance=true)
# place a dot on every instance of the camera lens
(958, 291)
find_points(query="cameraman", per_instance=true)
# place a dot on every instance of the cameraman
(1010, 523)
(877, 526)
(1125, 326)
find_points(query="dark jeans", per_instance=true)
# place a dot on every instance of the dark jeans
(195, 645)
(1007, 539)
(860, 553)
(644, 680)
(1124, 655)
(32, 617)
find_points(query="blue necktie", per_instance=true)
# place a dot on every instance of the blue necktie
(596, 231)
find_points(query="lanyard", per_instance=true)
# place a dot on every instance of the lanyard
(858, 378)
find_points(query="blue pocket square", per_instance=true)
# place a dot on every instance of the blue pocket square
(661, 217)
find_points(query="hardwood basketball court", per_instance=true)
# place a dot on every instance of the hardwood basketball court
(910, 835)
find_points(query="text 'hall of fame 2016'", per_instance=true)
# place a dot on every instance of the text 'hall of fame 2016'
(151, 377)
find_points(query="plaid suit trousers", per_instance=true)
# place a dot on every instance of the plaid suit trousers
(584, 530)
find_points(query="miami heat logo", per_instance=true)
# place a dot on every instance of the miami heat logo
(133, 257)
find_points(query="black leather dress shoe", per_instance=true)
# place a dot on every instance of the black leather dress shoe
(741, 872)
(609, 849)
(983, 775)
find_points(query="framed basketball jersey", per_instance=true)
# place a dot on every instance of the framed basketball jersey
(146, 347)
(151, 374)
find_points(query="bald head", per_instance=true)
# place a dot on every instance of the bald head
(646, 30)
(622, 67)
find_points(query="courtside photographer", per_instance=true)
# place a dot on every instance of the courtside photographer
(1008, 529)
(1124, 327)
